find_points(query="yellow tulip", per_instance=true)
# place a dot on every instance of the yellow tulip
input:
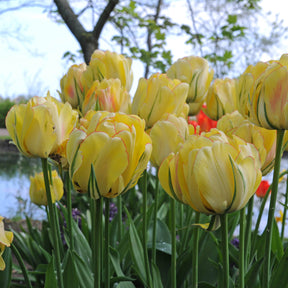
(107, 65)
(263, 94)
(221, 98)
(41, 127)
(159, 95)
(167, 135)
(37, 189)
(118, 148)
(196, 72)
(107, 95)
(263, 139)
(213, 173)
(6, 239)
(73, 86)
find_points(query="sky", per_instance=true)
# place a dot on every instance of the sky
(33, 63)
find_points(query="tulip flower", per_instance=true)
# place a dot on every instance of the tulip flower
(212, 173)
(262, 189)
(196, 72)
(159, 95)
(263, 94)
(263, 139)
(6, 238)
(73, 86)
(107, 95)
(37, 190)
(106, 65)
(167, 135)
(117, 147)
(41, 127)
(221, 98)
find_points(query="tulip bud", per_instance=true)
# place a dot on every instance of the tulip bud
(263, 94)
(73, 86)
(221, 98)
(167, 135)
(37, 189)
(116, 146)
(159, 95)
(196, 72)
(107, 95)
(6, 238)
(106, 65)
(212, 173)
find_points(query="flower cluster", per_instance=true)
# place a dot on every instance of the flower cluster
(210, 142)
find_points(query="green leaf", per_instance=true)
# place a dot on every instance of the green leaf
(156, 278)
(83, 269)
(276, 246)
(252, 276)
(137, 252)
(163, 237)
(5, 276)
(232, 19)
(70, 278)
(50, 277)
(205, 285)
(279, 274)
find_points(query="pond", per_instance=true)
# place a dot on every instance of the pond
(15, 171)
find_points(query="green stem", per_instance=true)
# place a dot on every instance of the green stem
(195, 252)
(22, 265)
(284, 212)
(189, 221)
(155, 220)
(269, 227)
(173, 242)
(53, 222)
(119, 217)
(225, 251)
(97, 241)
(242, 249)
(144, 229)
(69, 210)
(106, 246)
(261, 210)
(248, 230)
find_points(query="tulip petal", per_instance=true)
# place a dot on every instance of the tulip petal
(213, 162)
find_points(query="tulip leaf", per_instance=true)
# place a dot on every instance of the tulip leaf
(163, 237)
(252, 276)
(156, 278)
(70, 278)
(279, 274)
(50, 277)
(81, 244)
(83, 269)
(205, 285)
(115, 260)
(136, 250)
(277, 247)
(5, 276)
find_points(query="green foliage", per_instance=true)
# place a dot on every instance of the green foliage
(5, 106)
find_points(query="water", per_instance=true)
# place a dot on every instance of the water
(15, 171)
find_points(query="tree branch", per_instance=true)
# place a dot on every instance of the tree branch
(104, 18)
(71, 19)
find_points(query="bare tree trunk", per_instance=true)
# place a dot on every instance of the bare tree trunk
(88, 40)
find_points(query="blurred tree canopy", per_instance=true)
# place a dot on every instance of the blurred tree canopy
(229, 33)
